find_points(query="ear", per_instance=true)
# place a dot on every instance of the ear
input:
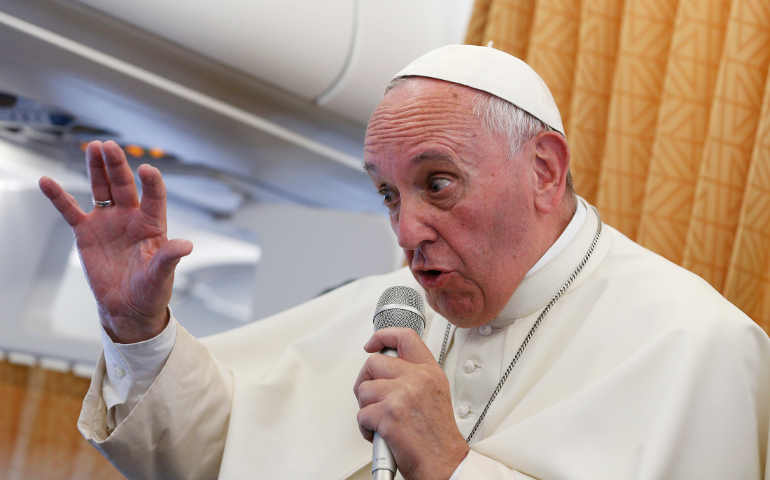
(550, 168)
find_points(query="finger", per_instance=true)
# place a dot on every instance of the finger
(122, 186)
(379, 366)
(100, 186)
(63, 201)
(373, 391)
(409, 345)
(369, 420)
(367, 434)
(167, 257)
(153, 194)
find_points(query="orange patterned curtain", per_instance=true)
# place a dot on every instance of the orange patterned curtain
(666, 104)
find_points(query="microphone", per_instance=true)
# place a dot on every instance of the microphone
(397, 307)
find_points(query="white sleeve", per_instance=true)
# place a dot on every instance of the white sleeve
(476, 465)
(131, 369)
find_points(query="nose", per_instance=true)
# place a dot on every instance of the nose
(413, 225)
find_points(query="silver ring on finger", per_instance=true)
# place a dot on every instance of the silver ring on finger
(103, 203)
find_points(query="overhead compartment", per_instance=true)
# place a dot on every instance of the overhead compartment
(389, 35)
(339, 53)
(299, 45)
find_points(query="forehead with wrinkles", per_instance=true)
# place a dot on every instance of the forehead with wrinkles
(422, 110)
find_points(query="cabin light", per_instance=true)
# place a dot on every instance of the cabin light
(134, 150)
(157, 153)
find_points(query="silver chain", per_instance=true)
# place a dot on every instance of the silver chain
(530, 334)
(442, 355)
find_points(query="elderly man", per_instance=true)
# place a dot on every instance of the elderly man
(555, 346)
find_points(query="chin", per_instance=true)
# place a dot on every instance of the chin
(462, 314)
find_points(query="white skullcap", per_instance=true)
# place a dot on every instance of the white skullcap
(492, 71)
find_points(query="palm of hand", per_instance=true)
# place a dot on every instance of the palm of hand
(117, 247)
(128, 261)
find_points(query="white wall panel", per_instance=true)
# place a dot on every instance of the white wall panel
(306, 250)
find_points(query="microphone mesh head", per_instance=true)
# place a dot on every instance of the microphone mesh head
(389, 314)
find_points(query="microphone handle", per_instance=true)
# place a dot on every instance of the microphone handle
(383, 463)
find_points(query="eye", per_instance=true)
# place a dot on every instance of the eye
(436, 184)
(388, 197)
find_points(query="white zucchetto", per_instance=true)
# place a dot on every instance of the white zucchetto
(493, 71)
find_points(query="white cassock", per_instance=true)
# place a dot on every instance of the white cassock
(640, 370)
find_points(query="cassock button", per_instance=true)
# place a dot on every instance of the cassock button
(464, 410)
(485, 330)
(119, 372)
(469, 366)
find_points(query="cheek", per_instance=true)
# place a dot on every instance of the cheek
(494, 242)
(508, 215)
(475, 234)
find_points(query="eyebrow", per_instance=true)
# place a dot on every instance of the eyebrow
(417, 159)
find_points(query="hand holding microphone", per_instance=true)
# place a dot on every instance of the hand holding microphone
(406, 400)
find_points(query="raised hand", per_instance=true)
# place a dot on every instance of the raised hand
(407, 401)
(127, 258)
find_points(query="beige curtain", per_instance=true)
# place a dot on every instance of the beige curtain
(666, 104)
(38, 437)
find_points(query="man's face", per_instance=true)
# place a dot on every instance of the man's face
(460, 205)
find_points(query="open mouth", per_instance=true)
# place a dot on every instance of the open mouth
(430, 278)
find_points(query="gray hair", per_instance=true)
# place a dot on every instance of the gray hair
(501, 116)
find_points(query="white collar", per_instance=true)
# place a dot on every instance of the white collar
(540, 284)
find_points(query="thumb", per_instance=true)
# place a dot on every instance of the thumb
(408, 343)
(167, 257)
